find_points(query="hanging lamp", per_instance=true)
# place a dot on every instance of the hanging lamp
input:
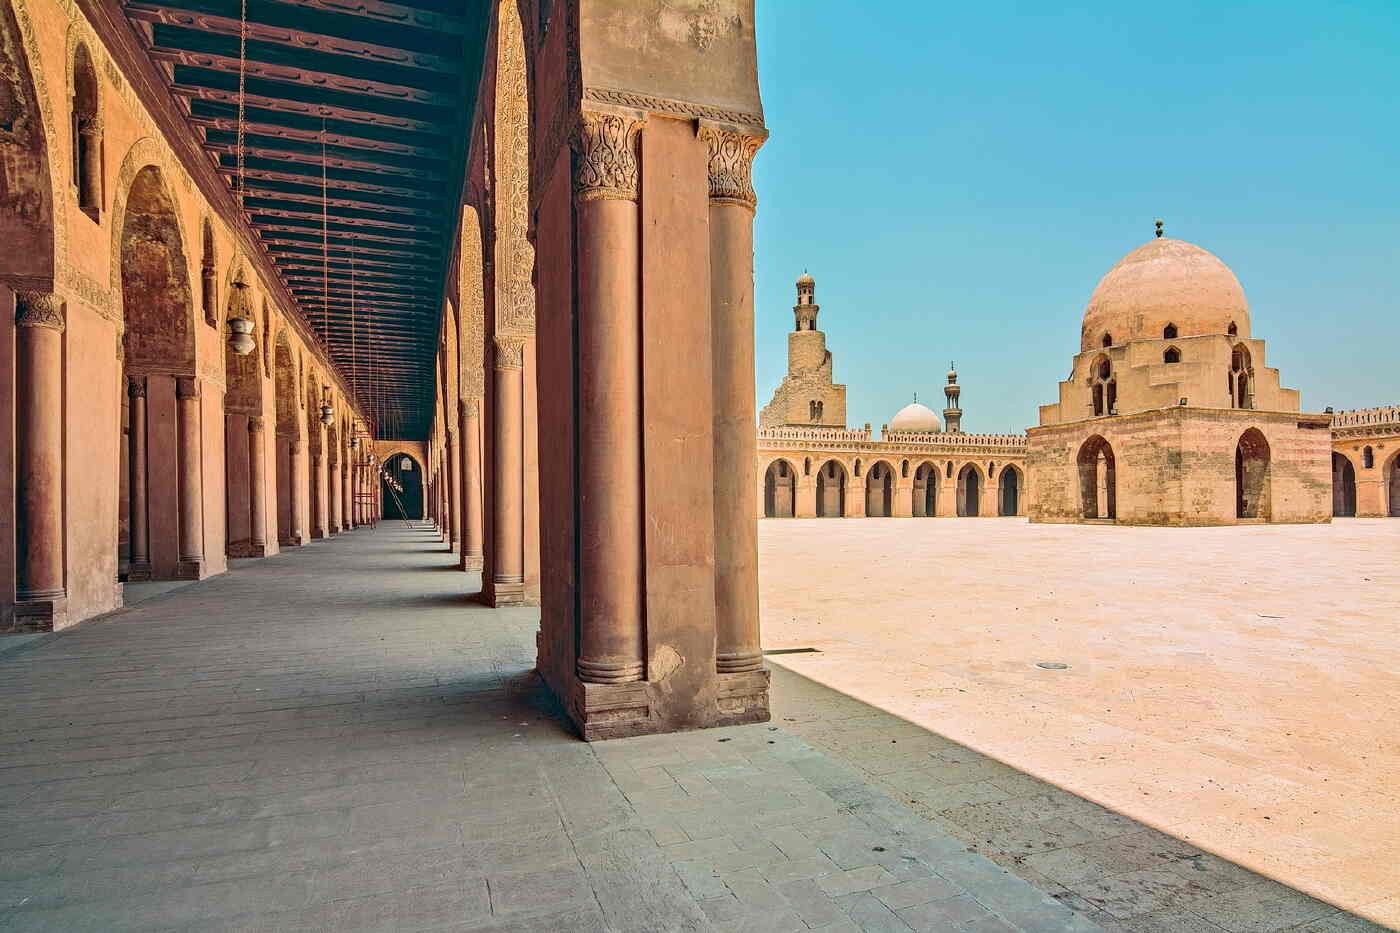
(240, 328)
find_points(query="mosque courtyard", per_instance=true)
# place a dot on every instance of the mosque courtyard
(1233, 688)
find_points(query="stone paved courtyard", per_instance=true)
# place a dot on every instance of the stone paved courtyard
(1234, 688)
(335, 739)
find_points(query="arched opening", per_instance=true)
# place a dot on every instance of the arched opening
(1391, 477)
(904, 469)
(879, 490)
(1097, 479)
(1343, 487)
(208, 284)
(26, 197)
(778, 490)
(1009, 491)
(1241, 378)
(1173, 355)
(1252, 476)
(1169, 332)
(87, 134)
(1233, 330)
(831, 490)
(1368, 458)
(244, 475)
(1103, 387)
(925, 491)
(289, 521)
(408, 474)
(969, 491)
(1108, 340)
(163, 470)
(807, 466)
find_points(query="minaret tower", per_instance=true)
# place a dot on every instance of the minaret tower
(807, 396)
(952, 415)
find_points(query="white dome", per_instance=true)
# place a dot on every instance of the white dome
(915, 419)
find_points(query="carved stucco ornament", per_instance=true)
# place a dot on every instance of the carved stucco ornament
(510, 352)
(731, 165)
(606, 164)
(38, 309)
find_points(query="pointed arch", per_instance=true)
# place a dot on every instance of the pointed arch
(779, 489)
(970, 483)
(879, 490)
(156, 299)
(831, 489)
(1010, 489)
(30, 211)
(1252, 475)
(1098, 479)
(925, 502)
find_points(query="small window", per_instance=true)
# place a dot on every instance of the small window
(1169, 332)
(1173, 355)
(87, 134)
(950, 469)
(1108, 340)
(1368, 459)
(807, 467)
(857, 466)
(904, 469)
(1234, 330)
(1105, 369)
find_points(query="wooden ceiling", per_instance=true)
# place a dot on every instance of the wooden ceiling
(380, 96)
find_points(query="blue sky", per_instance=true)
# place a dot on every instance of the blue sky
(958, 177)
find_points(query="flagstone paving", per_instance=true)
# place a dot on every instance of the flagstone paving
(337, 738)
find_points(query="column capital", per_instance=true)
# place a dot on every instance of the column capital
(510, 352)
(470, 407)
(39, 309)
(186, 387)
(606, 166)
(136, 386)
(256, 423)
(90, 125)
(296, 445)
(731, 164)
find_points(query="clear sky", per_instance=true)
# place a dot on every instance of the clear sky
(958, 176)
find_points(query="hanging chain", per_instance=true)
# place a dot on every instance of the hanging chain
(242, 98)
(325, 245)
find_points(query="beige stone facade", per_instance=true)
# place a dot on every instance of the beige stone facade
(1170, 416)
(915, 469)
(1366, 462)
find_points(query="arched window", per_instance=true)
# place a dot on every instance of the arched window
(87, 134)
(807, 467)
(208, 290)
(857, 466)
(1169, 332)
(1173, 355)
(1103, 387)
(1108, 340)
(904, 468)
(950, 469)
(1241, 378)
(1368, 459)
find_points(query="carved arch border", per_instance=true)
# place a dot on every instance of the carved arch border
(34, 61)
(146, 152)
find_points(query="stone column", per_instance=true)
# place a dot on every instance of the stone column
(469, 418)
(337, 492)
(257, 487)
(191, 487)
(606, 184)
(453, 491)
(90, 143)
(732, 204)
(347, 491)
(507, 585)
(136, 482)
(40, 594)
(296, 455)
(318, 482)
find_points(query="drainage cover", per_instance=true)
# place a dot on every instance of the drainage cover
(1053, 665)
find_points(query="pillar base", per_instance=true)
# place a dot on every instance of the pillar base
(739, 663)
(190, 569)
(617, 711)
(39, 615)
(139, 573)
(246, 549)
(471, 562)
(317, 535)
(497, 594)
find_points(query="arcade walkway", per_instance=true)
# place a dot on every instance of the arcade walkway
(335, 739)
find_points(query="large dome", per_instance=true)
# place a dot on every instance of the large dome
(915, 419)
(1164, 282)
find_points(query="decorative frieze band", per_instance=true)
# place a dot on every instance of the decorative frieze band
(606, 164)
(672, 107)
(731, 165)
(510, 352)
(38, 309)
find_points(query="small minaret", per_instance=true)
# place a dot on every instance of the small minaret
(952, 415)
(805, 311)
